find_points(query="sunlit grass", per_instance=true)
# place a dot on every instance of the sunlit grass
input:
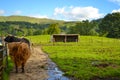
(40, 39)
(6, 71)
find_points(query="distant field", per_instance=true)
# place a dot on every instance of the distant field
(40, 39)
(91, 58)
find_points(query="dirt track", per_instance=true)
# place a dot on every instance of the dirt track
(34, 68)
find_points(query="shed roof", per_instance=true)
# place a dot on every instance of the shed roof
(65, 34)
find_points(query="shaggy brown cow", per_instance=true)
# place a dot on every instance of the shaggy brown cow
(19, 53)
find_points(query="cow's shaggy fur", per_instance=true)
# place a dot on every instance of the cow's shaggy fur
(19, 53)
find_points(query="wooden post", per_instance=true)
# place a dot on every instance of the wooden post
(1, 62)
(6, 56)
(65, 39)
(53, 41)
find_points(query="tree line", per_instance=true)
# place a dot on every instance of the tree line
(19, 28)
(108, 26)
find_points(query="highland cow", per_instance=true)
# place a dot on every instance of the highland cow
(19, 53)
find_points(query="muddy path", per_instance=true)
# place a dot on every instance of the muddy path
(34, 68)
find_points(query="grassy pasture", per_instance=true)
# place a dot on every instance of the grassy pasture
(91, 58)
(40, 39)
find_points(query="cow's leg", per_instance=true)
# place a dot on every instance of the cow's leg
(23, 68)
(16, 67)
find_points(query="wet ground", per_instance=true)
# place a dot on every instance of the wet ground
(54, 72)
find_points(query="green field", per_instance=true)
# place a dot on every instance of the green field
(91, 58)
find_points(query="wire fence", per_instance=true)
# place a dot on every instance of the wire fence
(89, 41)
(3, 57)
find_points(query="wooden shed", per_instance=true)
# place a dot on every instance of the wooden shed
(65, 37)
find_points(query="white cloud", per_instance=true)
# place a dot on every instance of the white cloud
(59, 11)
(77, 13)
(116, 1)
(118, 10)
(18, 12)
(2, 12)
(39, 16)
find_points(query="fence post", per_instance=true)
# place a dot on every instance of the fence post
(1, 62)
(6, 55)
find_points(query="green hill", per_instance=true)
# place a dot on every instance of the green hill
(33, 20)
(29, 25)
(28, 19)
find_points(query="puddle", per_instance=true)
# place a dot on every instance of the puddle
(54, 72)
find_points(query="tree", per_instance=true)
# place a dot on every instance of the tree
(84, 28)
(53, 29)
(37, 32)
(110, 25)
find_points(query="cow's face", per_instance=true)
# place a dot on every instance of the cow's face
(9, 39)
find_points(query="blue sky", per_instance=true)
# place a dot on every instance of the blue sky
(60, 9)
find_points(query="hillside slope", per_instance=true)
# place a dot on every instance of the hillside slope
(28, 19)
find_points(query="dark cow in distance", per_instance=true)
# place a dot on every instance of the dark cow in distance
(10, 39)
